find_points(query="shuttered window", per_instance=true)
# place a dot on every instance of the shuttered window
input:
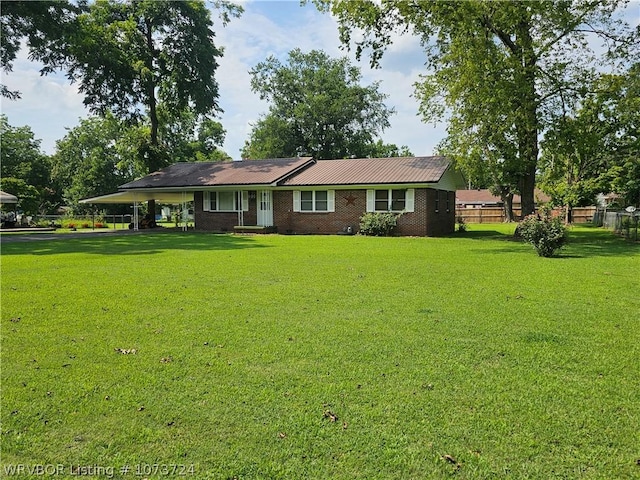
(314, 201)
(391, 200)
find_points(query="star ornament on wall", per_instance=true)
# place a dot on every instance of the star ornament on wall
(351, 200)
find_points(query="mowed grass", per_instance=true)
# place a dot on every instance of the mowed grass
(315, 357)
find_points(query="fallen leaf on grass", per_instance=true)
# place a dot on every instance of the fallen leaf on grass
(15, 319)
(452, 461)
(282, 435)
(126, 351)
(330, 415)
(166, 360)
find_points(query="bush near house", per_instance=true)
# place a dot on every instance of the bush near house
(378, 224)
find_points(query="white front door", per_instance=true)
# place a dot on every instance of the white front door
(265, 208)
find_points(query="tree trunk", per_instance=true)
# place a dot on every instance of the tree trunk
(153, 162)
(528, 121)
(507, 205)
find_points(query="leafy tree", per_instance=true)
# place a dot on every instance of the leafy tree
(318, 108)
(190, 139)
(130, 57)
(597, 147)
(386, 150)
(507, 62)
(45, 25)
(24, 169)
(95, 158)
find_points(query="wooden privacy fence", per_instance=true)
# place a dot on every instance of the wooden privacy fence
(496, 214)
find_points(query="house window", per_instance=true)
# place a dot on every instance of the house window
(313, 201)
(225, 201)
(390, 200)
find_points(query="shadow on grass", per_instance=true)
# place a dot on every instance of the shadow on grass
(143, 243)
(584, 241)
(587, 241)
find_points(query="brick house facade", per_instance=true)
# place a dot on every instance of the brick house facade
(306, 196)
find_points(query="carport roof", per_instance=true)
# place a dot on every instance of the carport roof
(133, 196)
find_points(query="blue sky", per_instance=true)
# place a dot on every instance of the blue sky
(50, 105)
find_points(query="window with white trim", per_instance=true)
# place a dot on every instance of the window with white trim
(313, 200)
(225, 201)
(390, 200)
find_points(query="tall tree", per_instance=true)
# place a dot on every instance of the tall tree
(318, 108)
(24, 169)
(514, 61)
(131, 56)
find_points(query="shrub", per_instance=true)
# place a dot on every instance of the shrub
(462, 225)
(378, 224)
(546, 233)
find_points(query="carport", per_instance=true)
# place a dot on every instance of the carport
(181, 198)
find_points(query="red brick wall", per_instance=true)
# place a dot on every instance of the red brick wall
(442, 221)
(221, 221)
(350, 205)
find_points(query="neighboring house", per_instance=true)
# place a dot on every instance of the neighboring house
(484, 198)
(307, 196)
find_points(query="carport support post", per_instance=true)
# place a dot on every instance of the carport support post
(135, 215)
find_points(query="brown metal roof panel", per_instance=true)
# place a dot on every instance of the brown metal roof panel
(372, 171)
(247, 172)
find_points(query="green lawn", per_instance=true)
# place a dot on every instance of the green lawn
(316, 357)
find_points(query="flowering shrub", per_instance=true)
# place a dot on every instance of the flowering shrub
(378, 224)
(546, 233)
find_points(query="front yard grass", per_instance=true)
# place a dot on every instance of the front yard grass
(255, 357)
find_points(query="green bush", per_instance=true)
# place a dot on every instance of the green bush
(378, 224)
(545, 232)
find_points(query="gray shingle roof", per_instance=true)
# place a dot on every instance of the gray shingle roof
(371, 171)
(247, 172)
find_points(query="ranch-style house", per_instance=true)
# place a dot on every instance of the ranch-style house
(306, 196)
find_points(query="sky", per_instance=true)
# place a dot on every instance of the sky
(50, 105)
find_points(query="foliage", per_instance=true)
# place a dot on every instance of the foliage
(95, 158)
(596, 149)
(241, 391)
(132, 57)
(545, 232)
(462, 225)
(44, 25)
(378, 224)
(28, 195)
(386, 150)
(25, 170)
(508, 66)
(189, 138)
(317, 108)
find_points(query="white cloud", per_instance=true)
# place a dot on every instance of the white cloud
(48, 104)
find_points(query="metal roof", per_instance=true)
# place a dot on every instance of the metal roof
(7, 198)
(219, 174)
(372, 171)
(133, 196)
